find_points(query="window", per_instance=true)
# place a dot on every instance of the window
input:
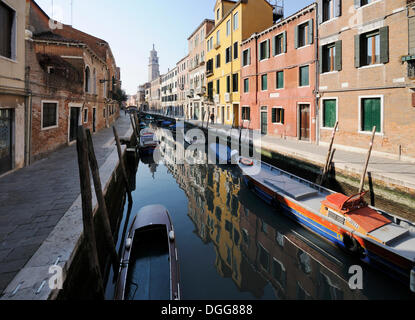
(218, 86)
(49, 115)
(218, 38)
(264, 50)
(304, 76)
(329, 113)
(236, 21)
(210, 44)
(304, 34)
(235, 82)
(361, 3)
(228, 57)
(264, 82)
(279, 45)
(235, 50)
(210, 90)
(372, 48)
(86, 115)
(328, 8)
(246, 113)
(8, 31)
(228, 84)
(279, 273)
(228, 27)
(246, 85)
(94, 79)
(87, 80)
(370, 114)
(280, 80)
(278, 115)
(218, 61)
(209, 66)
(218, 14)
(246, 57)
(263, 258)
(331, 57)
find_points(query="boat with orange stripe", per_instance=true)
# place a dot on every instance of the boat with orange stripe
(378, 238)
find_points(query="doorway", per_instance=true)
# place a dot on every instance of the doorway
(74, 123)
(223, 115)
(304, 125)
(94, 120)
(236, 115)
(6, 140)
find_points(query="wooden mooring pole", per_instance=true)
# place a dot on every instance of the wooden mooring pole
(362, 181)
(124, 172)
(102, 207)
(329, 158)
(87, 216)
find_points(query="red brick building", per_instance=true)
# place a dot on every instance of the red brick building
(278, 78)
(71, 77)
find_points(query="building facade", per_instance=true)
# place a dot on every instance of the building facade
(71, 77)
(182, 86)
(234, 22)
(153, 95)
(196, 108)
(13, 97)
(168, 84)
(364, 81)
(278, 78)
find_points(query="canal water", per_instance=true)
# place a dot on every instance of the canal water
(233, 246)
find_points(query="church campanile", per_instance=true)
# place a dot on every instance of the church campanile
(153, 66)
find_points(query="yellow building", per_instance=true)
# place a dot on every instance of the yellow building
(234, 22)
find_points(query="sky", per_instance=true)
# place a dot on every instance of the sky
(131, 27)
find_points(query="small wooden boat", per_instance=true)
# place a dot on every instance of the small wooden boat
(148, 141)
(149, 267)
(376, 237)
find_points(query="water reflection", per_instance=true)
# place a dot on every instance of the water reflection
(220, 223)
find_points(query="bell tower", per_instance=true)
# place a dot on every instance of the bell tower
(153, 66)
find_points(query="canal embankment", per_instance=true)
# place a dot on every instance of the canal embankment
(391, 182)
(35, 242)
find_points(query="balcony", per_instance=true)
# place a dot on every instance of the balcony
(200, 91)
(190, 93)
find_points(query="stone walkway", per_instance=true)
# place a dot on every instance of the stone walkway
(35, 198)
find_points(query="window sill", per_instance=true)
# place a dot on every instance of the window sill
(306, 46)
(371, 66)
(368, 5)
(279, 54)
(329, 128)
(9, 59)
(369, 133)
(328, 21)
(329, 72)
(50, 128)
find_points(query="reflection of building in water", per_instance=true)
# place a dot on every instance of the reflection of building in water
(149, 160)
(251, 251)
(295, 270)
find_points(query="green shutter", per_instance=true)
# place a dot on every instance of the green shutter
(274, 115)
(259, 51)
(274, 46)
(249, 56)
(329, 113)
(280, 79)
(267, 48)
(284, 49)
(282, 116)
(304, 76)
(338, 57)
(296, 37)
(384, 44)
(357, 51)
(337, 8)
(310, 39)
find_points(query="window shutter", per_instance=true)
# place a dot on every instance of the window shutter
(267, 48)
(296, 37)
(249, 56)
(337, 8)
(259, 52)
(282, 116)
(320, 54)
(357, 51)
(320, 11)
(284, 42)
(384, 44)
(357, 3)
(338, 57)
(310, 31)
(274, 46)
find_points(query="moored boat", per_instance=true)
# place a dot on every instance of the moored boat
(149, 267)
(378, 238)
(148, 141)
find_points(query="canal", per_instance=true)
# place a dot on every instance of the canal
(233, 246)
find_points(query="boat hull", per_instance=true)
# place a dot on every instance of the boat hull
(374, 255)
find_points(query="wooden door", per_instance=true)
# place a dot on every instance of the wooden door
(74, 123)
(304, 122)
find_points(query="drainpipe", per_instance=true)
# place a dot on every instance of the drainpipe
(256, 79)
(317, 66)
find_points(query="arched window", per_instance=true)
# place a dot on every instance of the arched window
(87, 79)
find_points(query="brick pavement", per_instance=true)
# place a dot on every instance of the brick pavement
(35, 198)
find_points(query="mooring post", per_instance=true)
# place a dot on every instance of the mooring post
(329, 156)
(362, 181)
(87, 217)
(133, 125)
(102, 207)
(124, 172)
